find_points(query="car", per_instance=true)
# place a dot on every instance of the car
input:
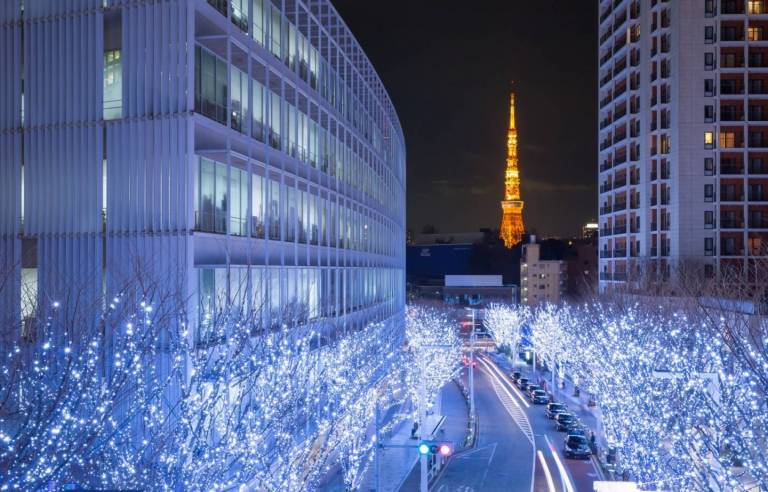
(531, 388)
(522, 383)
(516, 375)
(577, 430)
(555, 408)
(565, 421)
(539, 397)
(576, 446)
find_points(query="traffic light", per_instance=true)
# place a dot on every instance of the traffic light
(443, 448)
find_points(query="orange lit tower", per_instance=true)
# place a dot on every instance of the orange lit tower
(512, 206)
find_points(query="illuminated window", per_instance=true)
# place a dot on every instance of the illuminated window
(709, 139)
(727, 139)
(755, 33)
(113, 85)
(756, 6)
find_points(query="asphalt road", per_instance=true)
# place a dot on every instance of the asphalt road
(518, 447)
(503, 458)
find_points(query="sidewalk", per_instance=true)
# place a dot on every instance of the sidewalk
(454, 429)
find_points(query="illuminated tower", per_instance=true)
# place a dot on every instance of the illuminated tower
(512, 206)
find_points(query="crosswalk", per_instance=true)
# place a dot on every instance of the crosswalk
(511, 404)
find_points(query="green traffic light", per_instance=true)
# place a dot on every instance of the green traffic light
(423, 448)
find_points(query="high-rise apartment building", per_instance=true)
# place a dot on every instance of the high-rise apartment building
(683, 136)
(245, 150)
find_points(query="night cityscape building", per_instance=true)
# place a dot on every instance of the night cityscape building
(512, 228)
(683, 140)
(245, 152)
(541, 281)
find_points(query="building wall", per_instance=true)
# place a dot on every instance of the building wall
(128, 107)
(664, 75)
(541, 280)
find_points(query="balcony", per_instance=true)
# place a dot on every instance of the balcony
(758, 221)
(220, 5)
(605, 232)
(731, 166)
(605, 254)
(758, 196)
(604, 188)
(731, 196)
(732, 7)
(620, 229)
(619, 183)
(617, 207)
(605, 166)
(605, 210)
(757, 167)
(731, 223)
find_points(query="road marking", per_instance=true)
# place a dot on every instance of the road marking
(510, 404)
(514, 389)
(564, 477)
(550, 482)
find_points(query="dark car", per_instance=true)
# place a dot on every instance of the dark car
(516, 375)
(531, 388)
(539, 397)
(565, 421)
(522, 383)
(576, 447)
(577, 430)
(555, 408)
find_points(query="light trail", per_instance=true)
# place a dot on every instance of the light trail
(547, 473)
(560, 468)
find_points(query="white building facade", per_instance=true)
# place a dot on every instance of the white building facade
(245, 150)
(683, 136)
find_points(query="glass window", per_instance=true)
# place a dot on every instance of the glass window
(709, 140)
(257, 205)
(113, 85)
(211, 90)
(276, 30)
(205, 220)
(257, 110)
(222, 198)
(239, 84)
(709, 193)
(274, 112)
(257, 12)
(274, 209)
(239, 190)
(709, 166)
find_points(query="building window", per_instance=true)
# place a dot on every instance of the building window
(257, 25)
(113, 85)
(709, 140)
(257, 205)
(709, 113)
(709, 166)
(275, 33)
(211, 89)
(709, 246)
(709, 34)
(239, 91)
(709, 8)
(213, 201)
(756, 7)
(709, 87)
(258, 95)
(709, 61)
(709, 219)
(709, 193)
(728, 140)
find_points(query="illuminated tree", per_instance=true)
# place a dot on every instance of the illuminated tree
(505, 324)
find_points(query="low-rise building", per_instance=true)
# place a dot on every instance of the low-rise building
(540, 280)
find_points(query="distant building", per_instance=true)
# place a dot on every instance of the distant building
(540, 280)
(477, 290)
(590, 230)
(581, 259)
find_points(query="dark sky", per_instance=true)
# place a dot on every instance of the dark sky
(447, 66)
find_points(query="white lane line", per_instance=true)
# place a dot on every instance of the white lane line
(564, 477)
(510, 404)
(514, 389)
(550, 482)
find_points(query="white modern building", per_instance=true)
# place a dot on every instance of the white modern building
(245, 150)
(683, 136)
(541, 281)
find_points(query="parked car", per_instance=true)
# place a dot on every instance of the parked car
(576, 446)
(516, 375)
(555, 408)
(531, 388)
(522, 383)
(565, 421)
(539, 397)
(577, 430)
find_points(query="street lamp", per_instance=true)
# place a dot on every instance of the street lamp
(472, 366)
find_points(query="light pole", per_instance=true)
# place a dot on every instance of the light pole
(472, 367)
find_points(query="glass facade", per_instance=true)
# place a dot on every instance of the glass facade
(319, 185)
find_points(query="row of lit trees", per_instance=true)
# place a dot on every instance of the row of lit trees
(119, 393)
(680, 382)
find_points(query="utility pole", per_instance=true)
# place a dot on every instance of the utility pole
(472, 368)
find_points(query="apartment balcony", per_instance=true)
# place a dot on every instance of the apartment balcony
(605, 166)
(618, 207)
(731, 223)
(605, 254)
(758, 61)
(620, 229)
(731, 87)
(732, 7)
(605, 144)
(604, 188)
(605, 210)
(757, 196)
(756, 7)
(758, 167)
(605, 232)
(731, 197)
(731, 166)
(220, 5)
(758, 221)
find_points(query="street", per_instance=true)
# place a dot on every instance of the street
(518, 448)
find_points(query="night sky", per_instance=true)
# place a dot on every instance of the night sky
(447, 65)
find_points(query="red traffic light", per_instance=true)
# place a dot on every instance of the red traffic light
(436, 447)
(445, 450)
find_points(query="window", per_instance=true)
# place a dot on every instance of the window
(211, 90)
(709, 114)
(274, 115)
(275, 33)
(709, 87)
(728, 140)
(709, 34)
(239, 85)
(257, 28)
(274, 209)
(709, 219)
(755, 33)
(212, 197)
(240, 14)
(756, 7)
(709, 166)
(239, 190)
(257, 205)
(709, 140)
(709, 193)
(113, 85)
(709, 246)
(257, 110)
(709, 61)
